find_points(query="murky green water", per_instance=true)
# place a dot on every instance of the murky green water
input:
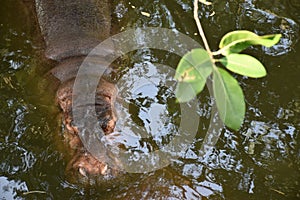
(261, 161)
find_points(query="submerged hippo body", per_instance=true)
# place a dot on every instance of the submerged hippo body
(71, 29)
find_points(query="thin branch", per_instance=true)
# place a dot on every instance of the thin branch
(34, 191)
(200, 29)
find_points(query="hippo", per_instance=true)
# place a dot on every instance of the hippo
(71, 29)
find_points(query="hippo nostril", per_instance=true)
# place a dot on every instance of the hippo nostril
(108, 124)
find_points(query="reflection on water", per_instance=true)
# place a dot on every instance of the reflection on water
(261, 161)
(9, 189)
(149, 108)
(265, 22)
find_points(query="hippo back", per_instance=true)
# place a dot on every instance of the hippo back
(73, 27)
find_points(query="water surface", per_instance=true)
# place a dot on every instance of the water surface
(260, 161)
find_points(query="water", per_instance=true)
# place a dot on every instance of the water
(260, 161)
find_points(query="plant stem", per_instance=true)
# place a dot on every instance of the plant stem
(35, 191)
(200, 29)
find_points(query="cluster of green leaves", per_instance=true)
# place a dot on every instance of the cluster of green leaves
(197, 65)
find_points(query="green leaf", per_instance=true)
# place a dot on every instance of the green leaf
(229, 99)
(237, 41)
(194, 66)
(192, 72)
(244, 64)
(185, 92)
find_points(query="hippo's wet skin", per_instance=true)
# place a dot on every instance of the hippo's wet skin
(71, 29)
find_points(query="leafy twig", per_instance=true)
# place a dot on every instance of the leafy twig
(197, 65)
